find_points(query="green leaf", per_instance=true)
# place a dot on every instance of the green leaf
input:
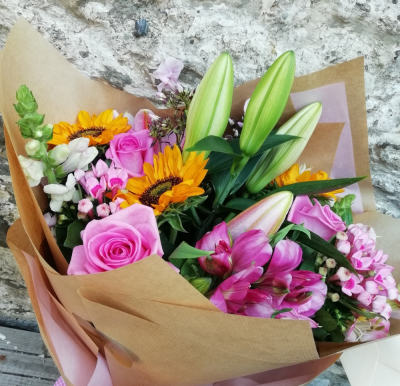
(176, 223)
(309, 256)
(191, 269)
(342, 208)
(367, 314)
(215, 144)
(238, 205)
(325, 320)
(185, 251)
(319, 334)
(316, 187)
(244, 174)
(277, 312)
(221, 161)
(283, 233)
(325, 248)
(202, 284)
(74, 234)
(337, 336)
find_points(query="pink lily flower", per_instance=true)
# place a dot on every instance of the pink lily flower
(231, 293)
(364, 330)
(116, 179)
(168, 73)
(251, 247)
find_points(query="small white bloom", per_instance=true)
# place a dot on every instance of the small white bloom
(59, 154)
(32, 169)
(81, 155)
(245, 105)
(32, 147)
(60, 193)
(231, 121)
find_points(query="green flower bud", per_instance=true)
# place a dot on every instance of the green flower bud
(33, 149)
(27, 103)
(211, 105)
(58, 155)
(202, 284)
(279, 159)
(267, 103)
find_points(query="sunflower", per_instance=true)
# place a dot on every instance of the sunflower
(301, 174)
(99, 129)
(167, 182)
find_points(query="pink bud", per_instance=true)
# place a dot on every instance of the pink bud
(85, 205)
(341, 236)
(365, 298)
(343, 274)
(343, 246)
(82, 216)
(330, 263)
(103, 210)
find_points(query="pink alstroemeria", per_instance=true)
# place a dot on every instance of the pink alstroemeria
(116, 179)
(277, 279)
(230, 295)
(364, 330)
(100, 169)
(168, 73)
(251, 247)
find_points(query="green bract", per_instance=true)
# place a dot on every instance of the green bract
(209, 110)
(276, 161)
(267, 103)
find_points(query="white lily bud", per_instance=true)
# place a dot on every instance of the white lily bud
(32, 169)
(59, 154)
(32, 148)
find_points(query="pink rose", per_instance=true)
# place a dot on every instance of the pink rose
(130, 150)
(318, 219)
(115, 241)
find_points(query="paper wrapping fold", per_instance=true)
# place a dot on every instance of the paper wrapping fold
(61, 91)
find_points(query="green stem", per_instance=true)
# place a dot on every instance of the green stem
(172, 235)
(51, 178)
(196, 218)
(229, 217)
(245, 194)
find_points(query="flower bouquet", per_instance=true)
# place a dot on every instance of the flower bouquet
(194, 244)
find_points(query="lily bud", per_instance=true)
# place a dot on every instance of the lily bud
(58, 155)
(202, 284)
(267, 103)
(211, 105)
(32, 148)
(279, 159)
(267, 215)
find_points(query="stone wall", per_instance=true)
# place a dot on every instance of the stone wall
(98, 37)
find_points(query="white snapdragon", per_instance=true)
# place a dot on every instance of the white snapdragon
(81, 155)
(32, 169)
(59, 154)
(32, 147)
(60, 193)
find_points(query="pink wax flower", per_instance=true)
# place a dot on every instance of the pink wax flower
(116, 241)
(366, 330)
(103, 210)
(168, 73)
(85, 205)
(115, 206)
(318, 219)
(230, 295)
(361, 237)
(131, 150)
(343, 246)
(251, 247)
(100, 169)
(116, 179)
(351, 286)
(95, 187)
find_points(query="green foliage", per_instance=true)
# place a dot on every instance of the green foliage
(342, 208)
(202, 284)
(281, 234)
(277, 312)
(185, 251)
(74, 234)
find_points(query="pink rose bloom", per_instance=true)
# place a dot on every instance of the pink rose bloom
(318, 219)
(117, 240)
(130, 150)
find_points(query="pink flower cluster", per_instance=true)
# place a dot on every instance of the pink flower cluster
(247, 289)
(374, 284)
(96, 183)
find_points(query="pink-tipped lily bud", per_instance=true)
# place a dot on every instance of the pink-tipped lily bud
(341, 236)
(330, 263)
(103, 210)
(85, 205)
(343, 274)
(343, 246)
(266, 215)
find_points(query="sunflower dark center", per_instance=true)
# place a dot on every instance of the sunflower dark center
(93, 131)
(152, 194)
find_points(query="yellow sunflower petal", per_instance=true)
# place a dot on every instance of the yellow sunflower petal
(84, 120)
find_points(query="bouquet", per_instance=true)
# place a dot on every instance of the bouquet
(196, 230)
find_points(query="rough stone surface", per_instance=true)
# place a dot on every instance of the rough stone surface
(98, 37)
